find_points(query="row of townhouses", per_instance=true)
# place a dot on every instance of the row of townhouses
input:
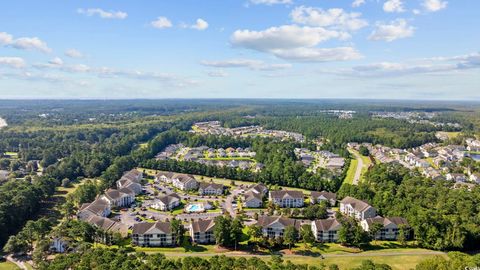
(188, 182)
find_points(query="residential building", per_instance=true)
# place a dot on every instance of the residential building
(133, 175)
(167, 202)
(475, 177)
(165, 177)
(152, 234)
(273, 227)
(457, 177)
(98, 207)
(326, 230)
(286, 198)
(253, 198)
(184, 182)
(317, 197)
(390, 229)
(119, 197)
(108, 225)
(130, 184)
(210, 189)
(201, 231)
(357, 208)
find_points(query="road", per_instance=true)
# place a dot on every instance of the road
(358, 172)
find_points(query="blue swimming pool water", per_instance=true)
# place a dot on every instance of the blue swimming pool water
(194, 208)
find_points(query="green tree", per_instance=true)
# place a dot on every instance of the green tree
(236, 230)
(307, 235)
(290, 236)
(178, 231)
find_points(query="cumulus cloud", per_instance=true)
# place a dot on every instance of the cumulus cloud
(200, 24)
(424, 66)
(56, 61)
(120, 15)
(24, 43)
(13, 62)
(358, 3)
(246, 63)
(271, 2)
(73, 53)
(393, 6)
(295, 43)
(434, 5)
(335, 18)
(161, 23)
(5, 38)
(394, 30)
(217, 73)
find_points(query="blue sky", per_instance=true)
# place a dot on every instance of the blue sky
(398, 49)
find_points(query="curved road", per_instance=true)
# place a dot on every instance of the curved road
(358, 172)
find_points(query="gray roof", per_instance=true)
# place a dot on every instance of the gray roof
(203, 225)
(266, 221)
(326, 194)
(96, 207)
(166, 174)
(167, 199)
(204, 185)
(132, 175)
(259, 188)
(386, 221)
(358, 205)
(281, 194)
(144, 227)
(249, 195)
(327, 224)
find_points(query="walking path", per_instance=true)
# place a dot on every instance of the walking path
(18, 263)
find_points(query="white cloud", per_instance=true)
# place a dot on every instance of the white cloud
(358, 3)
(393, 6)
(56, 61)
(396, 29)
(14, 62)
(416, 11)
(5, 38)
(73, 53)
(424, 66)
(200, 24)
(217, 73)
(161, 23)
(335, 18)
(102, 13)
(271, 2)
(434, 5)
(246, 63)
(283, 37)
(26, 43)
(295, 43)
(319, 54)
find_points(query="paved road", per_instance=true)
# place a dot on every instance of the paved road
(20, 264)
(358, 172)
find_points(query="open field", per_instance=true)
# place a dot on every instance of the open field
(8, 266)
(351, 172)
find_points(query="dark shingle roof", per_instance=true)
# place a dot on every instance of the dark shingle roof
(203, 225)
(144, 227)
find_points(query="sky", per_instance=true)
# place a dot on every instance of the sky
(121, 49)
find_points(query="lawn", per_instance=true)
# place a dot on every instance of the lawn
(8, 266)
(351, 172)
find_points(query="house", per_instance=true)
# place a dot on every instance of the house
(317, 197)
(335, 163)
(108, 225)
(356, 208)
(59, 245)
(165, 177)
(152, 234)
(390, 229)
(259, 188)
(133, 175)
(119, 197)
(184, 182)
(201, 231)
(457, 177)
(98, 207)
(273, 227)
(475, 177)
(210, 189)
(126, 183)
(252, 199)
(167, 202)
(286, 198)
(326, 230)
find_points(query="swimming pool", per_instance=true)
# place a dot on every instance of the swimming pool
(195, 208)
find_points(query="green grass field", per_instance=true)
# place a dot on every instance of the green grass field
(8, 266)
(351, 172)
